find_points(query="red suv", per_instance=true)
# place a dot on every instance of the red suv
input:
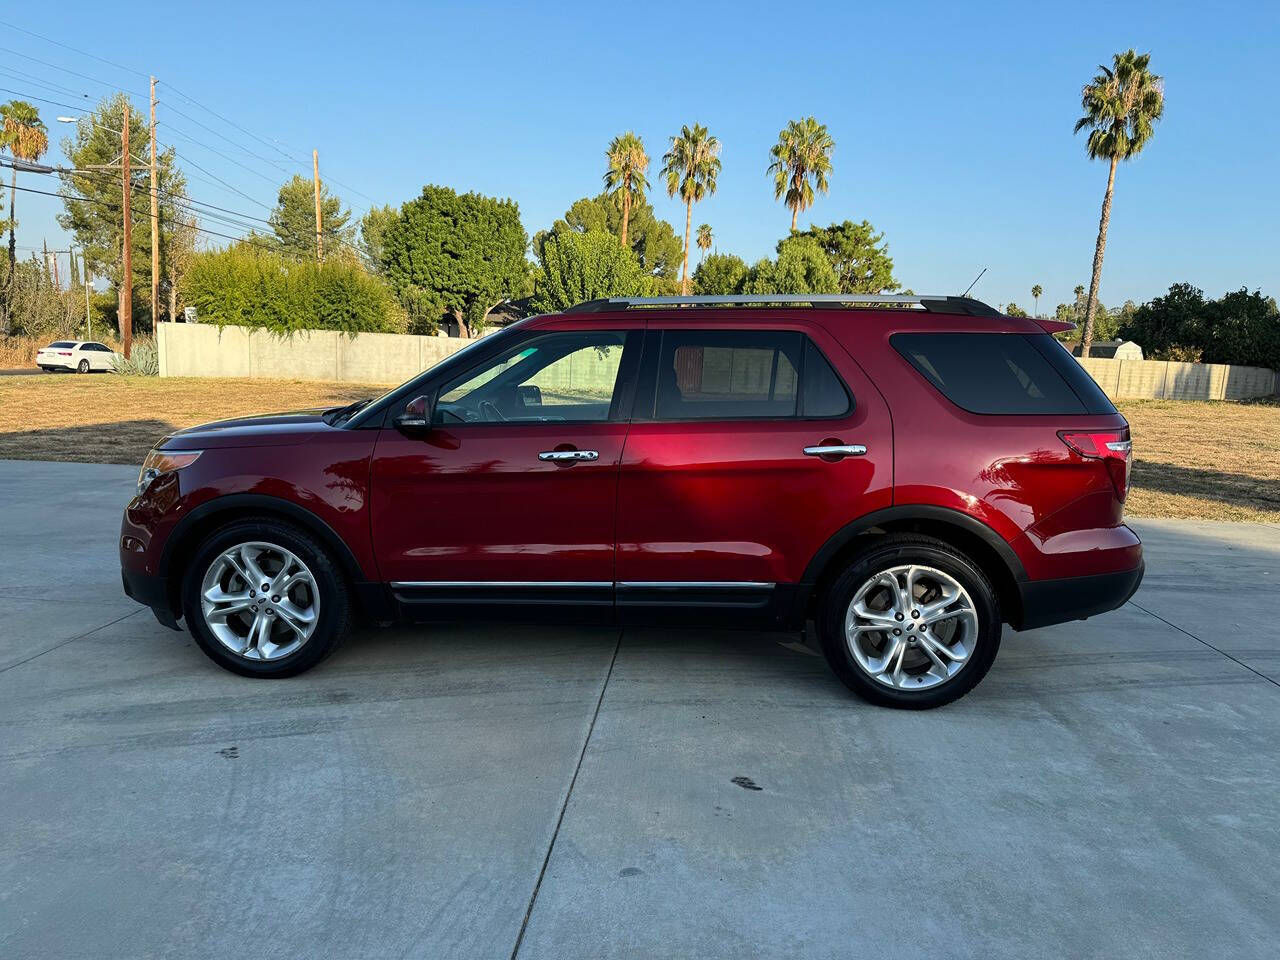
(908, 472)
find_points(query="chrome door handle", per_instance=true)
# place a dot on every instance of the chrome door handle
(558, 455)
(836, 450)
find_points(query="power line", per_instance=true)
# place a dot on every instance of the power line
(74, 73)
(67, 46)
(23, 77)
(229, 122)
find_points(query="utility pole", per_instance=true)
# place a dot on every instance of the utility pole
(126, 282)
(315, 166)
(88, 317)
(155, 219)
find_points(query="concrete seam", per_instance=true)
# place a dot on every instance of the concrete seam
(524, 924)
(63, 643)
(1207, 644)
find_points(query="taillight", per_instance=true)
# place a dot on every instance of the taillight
(1112, 447)
(64, 353)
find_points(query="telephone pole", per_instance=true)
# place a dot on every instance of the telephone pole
(155, 219)
(315, 166)
(126, 282)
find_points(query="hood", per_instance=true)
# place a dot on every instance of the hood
(269, 430)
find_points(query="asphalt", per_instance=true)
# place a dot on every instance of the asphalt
(1111, 789)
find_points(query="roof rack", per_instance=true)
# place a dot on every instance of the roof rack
(934, 304)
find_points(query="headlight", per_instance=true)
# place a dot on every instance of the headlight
(164, 461)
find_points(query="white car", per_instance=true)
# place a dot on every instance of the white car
(80, 356)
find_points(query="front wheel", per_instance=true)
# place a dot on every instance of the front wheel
(264, 599)
(911, 623)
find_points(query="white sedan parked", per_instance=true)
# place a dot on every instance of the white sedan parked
(81, 356)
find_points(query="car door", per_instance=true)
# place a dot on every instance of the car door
(510, 496)
(749, 448)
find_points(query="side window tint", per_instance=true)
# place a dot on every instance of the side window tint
(728, 374)
(824, 393)
(555, 377)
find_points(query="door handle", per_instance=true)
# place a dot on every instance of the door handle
(836, 450)
(570, 455)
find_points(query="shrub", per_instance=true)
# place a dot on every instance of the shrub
(143, 361)
(261, 289)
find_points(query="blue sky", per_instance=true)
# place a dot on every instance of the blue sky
(952, 120)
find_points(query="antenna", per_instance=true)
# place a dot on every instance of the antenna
(972, 285)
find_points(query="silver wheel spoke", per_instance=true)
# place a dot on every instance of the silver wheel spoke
(913, 658)
(243, 617)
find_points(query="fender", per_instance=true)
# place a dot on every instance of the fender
(898, 513)
(242, 502)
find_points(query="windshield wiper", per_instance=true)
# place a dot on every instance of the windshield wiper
(343, 414)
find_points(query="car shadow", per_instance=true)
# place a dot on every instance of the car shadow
(119, 442)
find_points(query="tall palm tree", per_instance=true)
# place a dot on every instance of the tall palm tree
(801, 162)
(627, 165)
(704, 240)
(1035, 295)
(691, 167)
(26, 138)
(1121, 106)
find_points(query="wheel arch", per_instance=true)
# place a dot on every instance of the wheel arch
(185, 538)
(961, 530)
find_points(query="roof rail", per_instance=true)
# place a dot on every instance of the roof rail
(934, 304)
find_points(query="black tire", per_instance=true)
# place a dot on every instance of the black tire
(82, 366)
(894, 550)
(333, 623)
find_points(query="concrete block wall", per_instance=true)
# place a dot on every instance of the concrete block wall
(201, 350)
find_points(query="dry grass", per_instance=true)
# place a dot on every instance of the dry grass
(1211, 461)
(106, 418)
(1216, 461)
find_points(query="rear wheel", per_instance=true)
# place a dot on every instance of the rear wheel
(912, 623)
(83, 366)
(264, 599)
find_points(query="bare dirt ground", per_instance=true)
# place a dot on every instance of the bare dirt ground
(1212, 461)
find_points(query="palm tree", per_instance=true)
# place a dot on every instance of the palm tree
(691, 167)
(627, 164)
(704, 240)
(1121, 106)
(27, 138)
(1035, 295)
(801, 162)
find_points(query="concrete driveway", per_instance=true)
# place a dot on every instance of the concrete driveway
(1111, 790)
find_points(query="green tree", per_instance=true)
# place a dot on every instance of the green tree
(1036, 292)
(26, 138)
(625, 178)
(1121, 106)
(373, 225)
(252, 287)
(802, 267)
(859, 256)
(720, 274)
(653, 241)
(91, 199)
(704, 240)
(691, 167)
(801, 162)
(1013, 310)
(294, 219)
(576, 267)
(457, 254)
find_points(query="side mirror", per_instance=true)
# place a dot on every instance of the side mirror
(417, 416)
(529, 395)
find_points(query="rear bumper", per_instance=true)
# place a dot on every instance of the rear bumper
(1046, 602)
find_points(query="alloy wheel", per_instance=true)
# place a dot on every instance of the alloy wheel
(911, 627)
(260, 601)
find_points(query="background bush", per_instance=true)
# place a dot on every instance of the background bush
(144, 360)
(261, 289)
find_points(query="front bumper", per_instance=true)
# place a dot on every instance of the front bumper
(1046, 602)
(151, 591)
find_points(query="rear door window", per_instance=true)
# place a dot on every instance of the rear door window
(1001, 373)
(745, 374)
